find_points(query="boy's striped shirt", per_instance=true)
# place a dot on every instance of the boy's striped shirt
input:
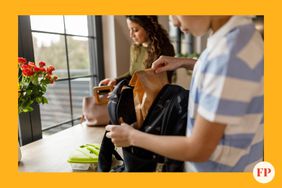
(227, 87)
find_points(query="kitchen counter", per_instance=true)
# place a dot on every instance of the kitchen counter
(50, 154)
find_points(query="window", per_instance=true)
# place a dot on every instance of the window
(73, 45)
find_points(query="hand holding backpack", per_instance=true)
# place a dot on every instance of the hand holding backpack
(166, 116)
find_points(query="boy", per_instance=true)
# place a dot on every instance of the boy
(225, 114)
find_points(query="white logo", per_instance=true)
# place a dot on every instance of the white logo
(264, 172)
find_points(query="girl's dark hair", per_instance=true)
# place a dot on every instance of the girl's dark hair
(159, 40)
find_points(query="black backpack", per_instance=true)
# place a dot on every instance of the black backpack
(166, 116)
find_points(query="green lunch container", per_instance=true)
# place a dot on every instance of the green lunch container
(85, 157)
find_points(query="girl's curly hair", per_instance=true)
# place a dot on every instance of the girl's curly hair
(158, 37)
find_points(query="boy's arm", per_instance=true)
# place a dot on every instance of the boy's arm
(198, 147)
(167, 63)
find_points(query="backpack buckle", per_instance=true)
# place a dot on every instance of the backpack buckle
(159, 167)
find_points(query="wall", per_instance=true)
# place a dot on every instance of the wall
(109, 46)
(122, 44)
(116, 44)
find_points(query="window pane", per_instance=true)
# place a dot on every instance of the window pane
(80, 88)
(76, 25)
(58, 108)
(78, 56)
(51, 49)
(47, 23)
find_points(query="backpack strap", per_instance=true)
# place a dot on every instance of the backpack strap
(107, 151)
(114, 100)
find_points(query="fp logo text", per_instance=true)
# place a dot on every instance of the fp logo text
(264, 172)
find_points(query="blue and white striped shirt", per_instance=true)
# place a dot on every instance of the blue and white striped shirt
(227, 87)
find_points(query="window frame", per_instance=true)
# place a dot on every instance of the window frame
(30, 128)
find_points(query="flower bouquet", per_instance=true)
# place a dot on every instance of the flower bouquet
(32, 83)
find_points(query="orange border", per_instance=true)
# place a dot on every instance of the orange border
(11, 9)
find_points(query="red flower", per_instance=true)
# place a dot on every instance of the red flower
(27, 72)
(50, 69)
(42, 69)
(24, 66)
(55, 77)
(27, 69)
(42, 64)
(21, 60)
(48, 77)
(36, 69)
(31, 64)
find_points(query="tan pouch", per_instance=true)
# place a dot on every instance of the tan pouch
(147, 84)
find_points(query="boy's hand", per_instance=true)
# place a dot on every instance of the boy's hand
(120, 134)
(165, 63)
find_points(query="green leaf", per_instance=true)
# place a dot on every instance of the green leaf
(35, 79)
(44, 100)
(28, 103)
(44, 88)
(38, 99)
(28, 109)
(28, 92)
